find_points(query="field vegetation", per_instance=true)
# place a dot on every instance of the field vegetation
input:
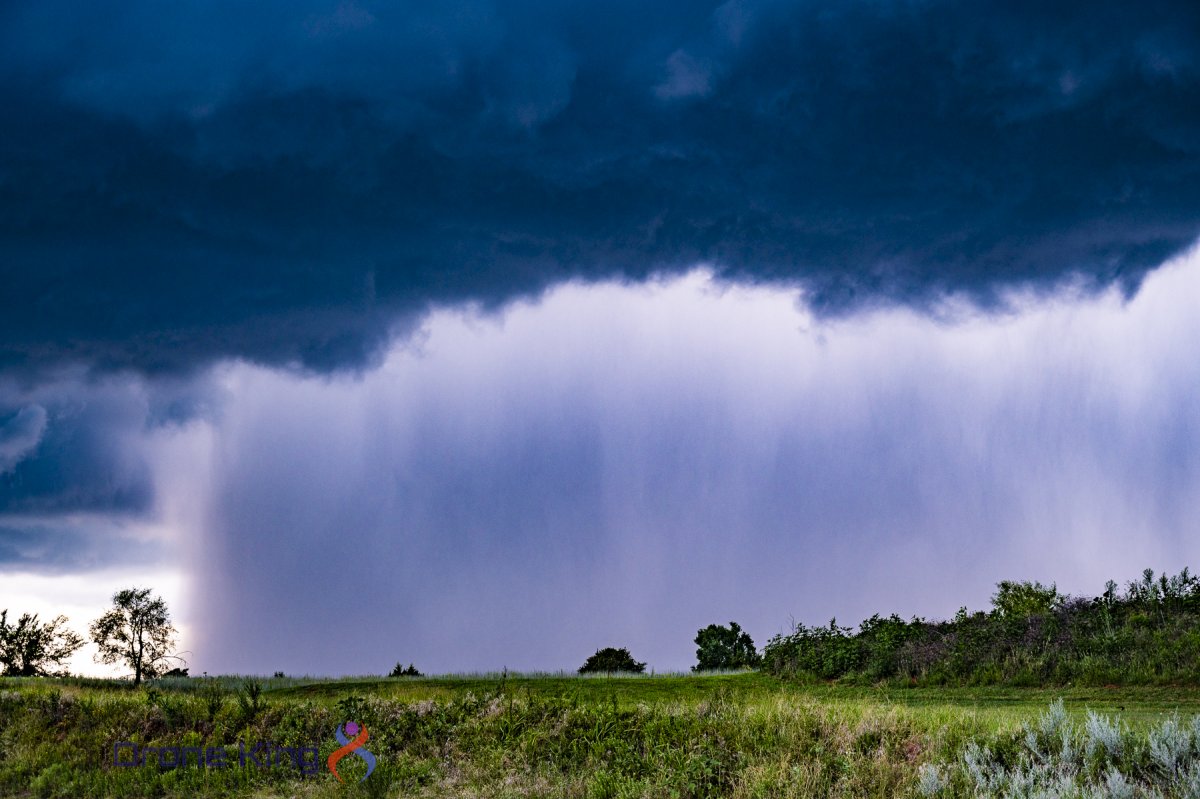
(743, 734)
(1044, 695)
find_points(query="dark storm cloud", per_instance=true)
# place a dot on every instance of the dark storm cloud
(65, 548)
(78, 446)
(74, 467)
(87, 460)
(284, 182)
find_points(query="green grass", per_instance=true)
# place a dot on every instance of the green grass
(552, 735)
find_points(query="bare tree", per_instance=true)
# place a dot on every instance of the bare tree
(136, 631)
(30, 649)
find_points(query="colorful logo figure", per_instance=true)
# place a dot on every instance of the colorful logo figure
(351, 746)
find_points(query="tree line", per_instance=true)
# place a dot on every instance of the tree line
(1033, 635)
(136, 632)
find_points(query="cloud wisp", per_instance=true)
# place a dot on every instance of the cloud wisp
(20, 435)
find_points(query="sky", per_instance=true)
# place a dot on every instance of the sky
(485, 335)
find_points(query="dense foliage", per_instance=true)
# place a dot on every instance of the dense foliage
(1149, 633)
(720, 647)
(611, 659)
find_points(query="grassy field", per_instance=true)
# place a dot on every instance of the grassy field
(997, 706)
(737, 735)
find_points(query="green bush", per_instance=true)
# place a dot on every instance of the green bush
(610, 660)
(1033, 636)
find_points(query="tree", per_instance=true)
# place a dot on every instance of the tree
(610, 660)
(137, 632)
(724, 648)
(400, 671)
(30, 649)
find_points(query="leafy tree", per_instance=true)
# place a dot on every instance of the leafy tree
(137, 632)
(610, 660)
(1021, 599)
(400, 671)
(724, 648)
(30, 649)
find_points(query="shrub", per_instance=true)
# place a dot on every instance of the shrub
(1055, 758)
(1021, 599)
(610, 660)
(212, 694)
(250, 698)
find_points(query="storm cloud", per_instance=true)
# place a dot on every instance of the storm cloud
(78, 479)
(298, 183)
(481, 334)
(75, 547)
